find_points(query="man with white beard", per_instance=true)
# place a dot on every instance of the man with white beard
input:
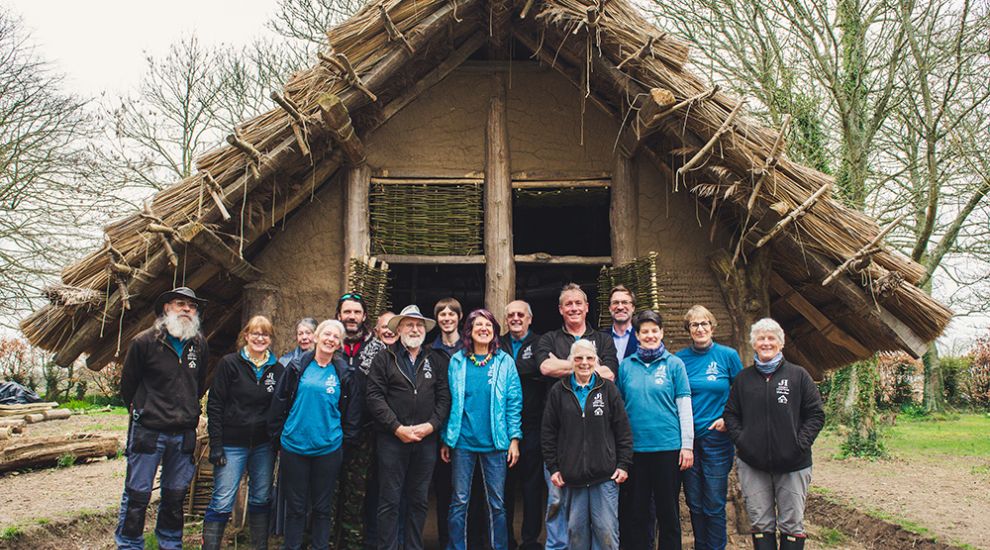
(409, 400)
(162, 381)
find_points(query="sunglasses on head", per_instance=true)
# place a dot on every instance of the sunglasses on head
(351, 296)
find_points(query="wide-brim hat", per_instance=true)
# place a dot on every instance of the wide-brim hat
(179, 292)
(410, 312)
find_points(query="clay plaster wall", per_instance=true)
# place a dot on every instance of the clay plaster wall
(304, 262)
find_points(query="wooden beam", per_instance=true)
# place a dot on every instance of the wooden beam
(422, 259)
(357, 234)
(500, 270)
(544, 258)
(745, 291)
(338, 121)
(561, 184)
(212, 247)
(832, 332)
(623, 214)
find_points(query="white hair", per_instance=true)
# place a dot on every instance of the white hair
(763, 326)
(585, 344)
(178, 326)
(329, 324)
(529, 310)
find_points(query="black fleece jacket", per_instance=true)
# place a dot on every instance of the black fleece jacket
(350, 403)
(774, 420)
(394, 400)
(586, 446)
(237, 408)
(534, 384)
(161, 389)
(559, 342)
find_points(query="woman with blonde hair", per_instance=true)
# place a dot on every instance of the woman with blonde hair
(711, 368)
(243, 385)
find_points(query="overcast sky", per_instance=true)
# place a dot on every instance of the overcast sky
(100, 45)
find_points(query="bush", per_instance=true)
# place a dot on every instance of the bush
(978, 381)
(21, 363)
(899, 377)
(955, 379)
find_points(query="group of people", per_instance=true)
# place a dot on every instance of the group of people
(597, 429)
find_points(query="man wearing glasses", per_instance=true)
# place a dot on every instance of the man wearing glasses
(162, 381)
(621, 306)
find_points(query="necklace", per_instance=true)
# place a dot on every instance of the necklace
(481, 363)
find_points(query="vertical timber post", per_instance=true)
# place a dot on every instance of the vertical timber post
(357, 234)
(259, 299)
(500, 269)
(623, 215)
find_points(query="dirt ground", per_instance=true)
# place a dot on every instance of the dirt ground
(75, 507)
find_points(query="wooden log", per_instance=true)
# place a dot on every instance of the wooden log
(544, 258)
(34, 418)
(794, 215)
(867, 250)
(357, 238)
(33, 452)
(299, 128)
(338, 121)
(725, 127)
(6, 432)
(254, 156)
(500, 270)
(745, 290)
(212, 247)
(23, 408)
(562, 184)
(623, 214)
(259, 299)
(12, 422)
(57, 414)
(422, 259)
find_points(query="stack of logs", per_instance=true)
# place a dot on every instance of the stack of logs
(35, 452)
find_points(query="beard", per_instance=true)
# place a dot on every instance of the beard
(412, 342)
(178, 326)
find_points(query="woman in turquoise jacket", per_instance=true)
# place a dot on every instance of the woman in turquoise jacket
(485, 425)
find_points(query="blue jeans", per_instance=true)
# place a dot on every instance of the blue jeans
(556, 515)
(593, 516)
(146, 449)
(705, 486)
(493, 471)
(259, 463)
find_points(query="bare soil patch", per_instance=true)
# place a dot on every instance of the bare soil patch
(947, 498)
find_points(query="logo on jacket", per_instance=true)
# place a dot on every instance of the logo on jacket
(527, 353)
(331, 384)
(599, 411)
(783, 390)
(660, 376)
(427, 369)
(598, 400)
(270, 382)
(192, 356)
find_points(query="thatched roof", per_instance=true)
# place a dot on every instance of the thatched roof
(381, 59)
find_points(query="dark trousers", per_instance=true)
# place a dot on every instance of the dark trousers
(404, 474)
(657, 476)
(350, 518)
(477, 508)
(527, 476)
(309, 479)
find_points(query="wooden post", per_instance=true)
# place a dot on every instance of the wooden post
(746, 291)
(500, 271)
(259, 299)
(357, 235)
(622, 213)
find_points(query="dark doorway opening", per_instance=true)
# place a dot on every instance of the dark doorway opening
(425, 285)
(561, 222)
(540, 286)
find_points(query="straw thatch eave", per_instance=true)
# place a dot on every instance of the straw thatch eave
(382, 58)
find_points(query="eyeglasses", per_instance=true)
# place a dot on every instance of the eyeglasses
(621, 302)
(260, 335)
(351, 296)
(702, 324)
(181, 304)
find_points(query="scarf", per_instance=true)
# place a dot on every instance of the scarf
(650, 355)
(770, 366)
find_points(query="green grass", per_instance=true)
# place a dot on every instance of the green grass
(960, 435)
(10, 533)
(830, 537)
(65, 460)
(42, 521)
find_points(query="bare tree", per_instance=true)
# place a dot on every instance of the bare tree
(48, 201)
(306, 22)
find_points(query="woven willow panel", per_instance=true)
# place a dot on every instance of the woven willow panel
(639, 276)
(369, 278)
(435, 219)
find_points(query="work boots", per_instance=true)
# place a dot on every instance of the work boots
(761, 541)
(213, 534)
(791, 542)
(258, 525)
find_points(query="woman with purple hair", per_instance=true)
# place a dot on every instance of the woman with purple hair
(485, 425)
